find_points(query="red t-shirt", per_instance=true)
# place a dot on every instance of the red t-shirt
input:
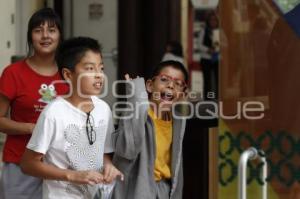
(28, 92)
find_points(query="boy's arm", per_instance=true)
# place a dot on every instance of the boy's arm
(130, 134)
(32, 164)
(40, 141)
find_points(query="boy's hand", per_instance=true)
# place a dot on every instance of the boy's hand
(183, 96)
(85, 177)
(110, 173)
(127, 77)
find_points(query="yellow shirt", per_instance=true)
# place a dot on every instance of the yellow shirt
(163, 137)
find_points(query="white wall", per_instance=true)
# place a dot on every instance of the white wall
(103, 29)
(14, 30)
(8, 32)
(24, 10)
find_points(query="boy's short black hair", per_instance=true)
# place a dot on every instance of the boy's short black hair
(40, 17)
(71, 51)
(170, 63)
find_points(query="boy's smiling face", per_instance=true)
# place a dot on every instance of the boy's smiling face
(167, 87)
(88, 77)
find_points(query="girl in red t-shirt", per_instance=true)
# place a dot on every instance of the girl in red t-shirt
(25, 89)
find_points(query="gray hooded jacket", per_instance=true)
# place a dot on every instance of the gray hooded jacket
(135, 149)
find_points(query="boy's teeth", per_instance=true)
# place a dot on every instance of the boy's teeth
(167, 96)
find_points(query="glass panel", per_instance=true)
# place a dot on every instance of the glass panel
(259, 96)
(286, 5)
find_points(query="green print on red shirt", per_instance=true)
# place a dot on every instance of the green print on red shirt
(28, 93)
(47, 92)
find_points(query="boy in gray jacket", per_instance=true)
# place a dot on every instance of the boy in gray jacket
(148, 143)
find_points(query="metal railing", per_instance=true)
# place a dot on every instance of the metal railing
(251, 154)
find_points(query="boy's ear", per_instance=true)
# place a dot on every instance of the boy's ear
(67, 74)
(149, 86)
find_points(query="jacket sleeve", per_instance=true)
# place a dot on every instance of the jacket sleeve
(130, 134)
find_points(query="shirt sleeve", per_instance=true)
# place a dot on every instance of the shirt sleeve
(8, 84)
(42, 134)
(108, 140)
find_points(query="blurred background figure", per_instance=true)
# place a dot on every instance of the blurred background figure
(209, 50)
(173, 52)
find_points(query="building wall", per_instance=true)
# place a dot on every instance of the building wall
(8, 31)
(14, 18)
(99, 20)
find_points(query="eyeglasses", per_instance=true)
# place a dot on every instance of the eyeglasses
(166, 79)
(90, 132)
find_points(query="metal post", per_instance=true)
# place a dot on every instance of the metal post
(250, 154)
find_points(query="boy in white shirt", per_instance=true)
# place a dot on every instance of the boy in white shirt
(72, 137)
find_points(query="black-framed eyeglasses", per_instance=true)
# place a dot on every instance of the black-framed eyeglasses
(90, 131)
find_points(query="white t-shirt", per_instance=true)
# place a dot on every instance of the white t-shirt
(60, 134)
